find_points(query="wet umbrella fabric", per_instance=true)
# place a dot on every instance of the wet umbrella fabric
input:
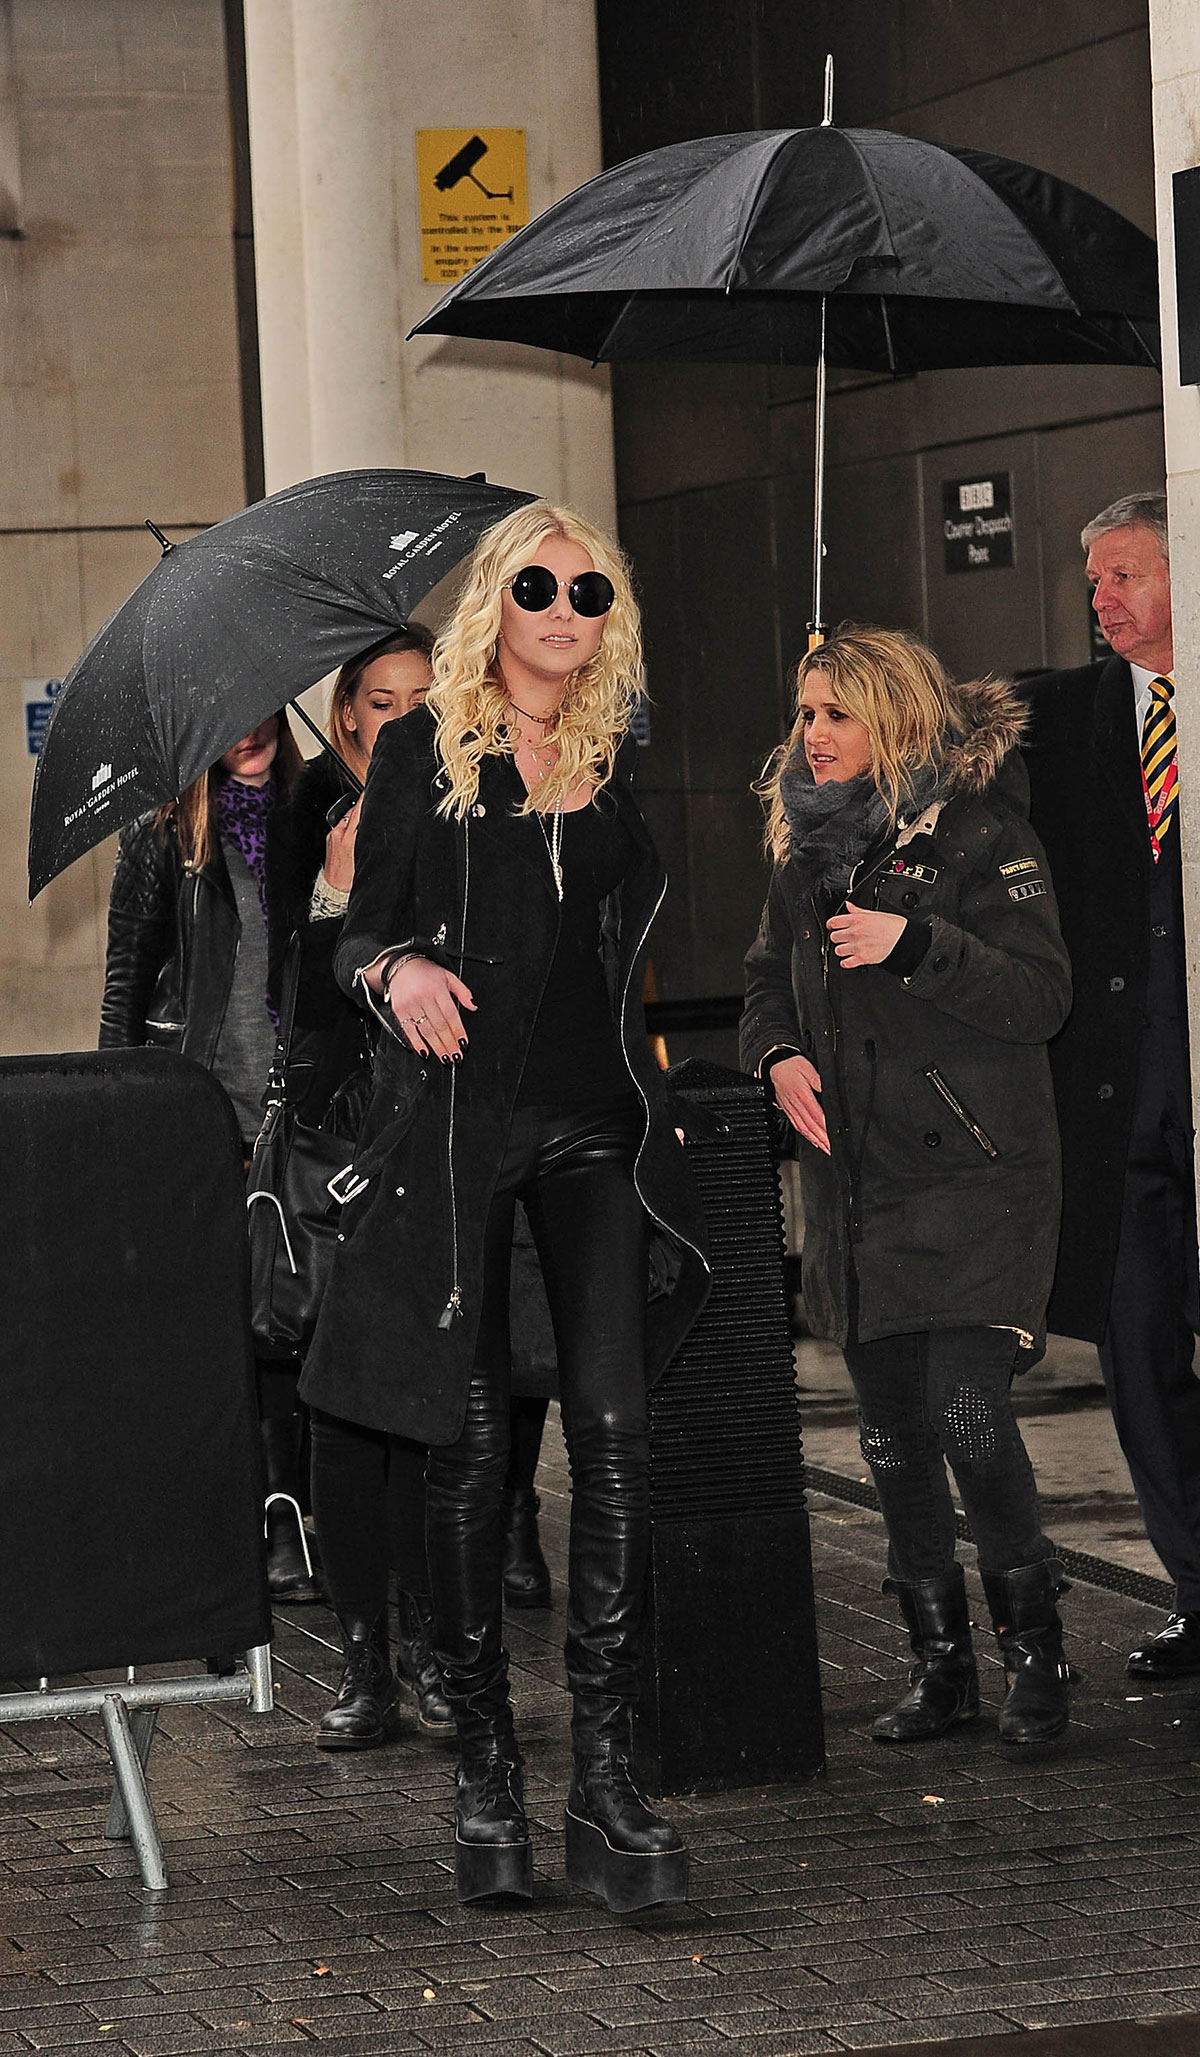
(228, 627)
(723, 249)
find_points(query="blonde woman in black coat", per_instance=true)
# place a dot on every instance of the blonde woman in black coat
(505, 886)
(906, 978)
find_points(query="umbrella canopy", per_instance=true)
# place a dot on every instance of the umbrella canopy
(726, 248)
(228, 627)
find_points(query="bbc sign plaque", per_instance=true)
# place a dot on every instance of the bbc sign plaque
(977, 523)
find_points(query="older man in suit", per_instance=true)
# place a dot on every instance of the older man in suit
(1106, 806)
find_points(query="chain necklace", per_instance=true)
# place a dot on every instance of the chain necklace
(553, 841)
(544, 753)
(541, 719)
(544, 758)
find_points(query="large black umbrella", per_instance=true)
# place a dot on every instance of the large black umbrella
(231, 625)
(727, 247)
(826, 246)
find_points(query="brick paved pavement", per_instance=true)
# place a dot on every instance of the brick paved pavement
(957, 1891)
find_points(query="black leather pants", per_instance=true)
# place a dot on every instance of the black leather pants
(573, 1169)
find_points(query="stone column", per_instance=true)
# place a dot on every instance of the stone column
(337, 90)
(1175, 72)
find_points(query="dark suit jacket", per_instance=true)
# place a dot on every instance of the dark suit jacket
(1089, 812)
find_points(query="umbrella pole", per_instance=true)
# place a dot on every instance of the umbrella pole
(326, 745)
(817, 627)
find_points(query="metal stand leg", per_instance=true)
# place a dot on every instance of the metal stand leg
(258, 1664)
(130, 1795)
(142, 1724)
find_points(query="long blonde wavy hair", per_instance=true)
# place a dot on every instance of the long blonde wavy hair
(468, 699)
(900, 692)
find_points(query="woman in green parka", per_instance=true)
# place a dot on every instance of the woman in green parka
(906, 977)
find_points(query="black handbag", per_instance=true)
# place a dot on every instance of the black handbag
(299, 1178)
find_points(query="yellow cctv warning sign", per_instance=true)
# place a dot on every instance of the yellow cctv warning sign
(472, 192)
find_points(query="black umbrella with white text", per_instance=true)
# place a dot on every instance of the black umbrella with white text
(228, 627)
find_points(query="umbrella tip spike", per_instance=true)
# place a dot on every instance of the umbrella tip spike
(156, 532)
(827, 115)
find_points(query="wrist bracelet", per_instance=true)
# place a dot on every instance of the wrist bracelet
(391, 966)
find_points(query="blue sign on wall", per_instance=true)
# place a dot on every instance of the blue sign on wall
(39, 696)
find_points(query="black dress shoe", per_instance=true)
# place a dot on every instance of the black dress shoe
(1173, 1653)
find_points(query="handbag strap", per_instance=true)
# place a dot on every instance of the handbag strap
(277, 1076)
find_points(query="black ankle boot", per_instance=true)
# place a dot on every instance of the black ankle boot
(943, 1683)
(526, 1572)
(367, 1707)
(416, 1667)
(492, 1851)
(288, 1574)
(616, 1846)
(1029, 1633)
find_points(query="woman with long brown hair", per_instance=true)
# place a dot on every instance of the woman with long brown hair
(186, 969)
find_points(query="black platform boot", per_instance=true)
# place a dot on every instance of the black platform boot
(1029, 1633)
(943, 1683)
(616, 1846)
(493, 1855)
(367, 1707)
(526, 1572)
(417, 1666)
(288, 1574)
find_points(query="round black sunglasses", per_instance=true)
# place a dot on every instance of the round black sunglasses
(535, 589)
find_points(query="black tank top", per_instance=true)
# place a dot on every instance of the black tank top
(575, 1052)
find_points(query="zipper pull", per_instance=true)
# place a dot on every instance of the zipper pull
(452, 1310)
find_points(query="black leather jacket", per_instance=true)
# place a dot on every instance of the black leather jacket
(172, 946)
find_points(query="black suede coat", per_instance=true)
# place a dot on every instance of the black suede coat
(394, 1347)
(941, 1195)
(1090, 813)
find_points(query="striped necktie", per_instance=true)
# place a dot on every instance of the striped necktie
(1160, 774)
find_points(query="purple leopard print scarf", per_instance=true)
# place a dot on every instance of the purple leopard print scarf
(242, 812)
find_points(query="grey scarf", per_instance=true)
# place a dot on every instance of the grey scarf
(832, 827)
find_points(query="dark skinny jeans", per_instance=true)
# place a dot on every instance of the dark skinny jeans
(572, 1167)
(942, 1397)
(368, 1496)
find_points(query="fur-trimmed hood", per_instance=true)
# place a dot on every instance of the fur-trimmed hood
(994, 719)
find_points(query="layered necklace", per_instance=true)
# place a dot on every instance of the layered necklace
(544, 757)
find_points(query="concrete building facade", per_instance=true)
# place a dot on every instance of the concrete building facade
(131, 240)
